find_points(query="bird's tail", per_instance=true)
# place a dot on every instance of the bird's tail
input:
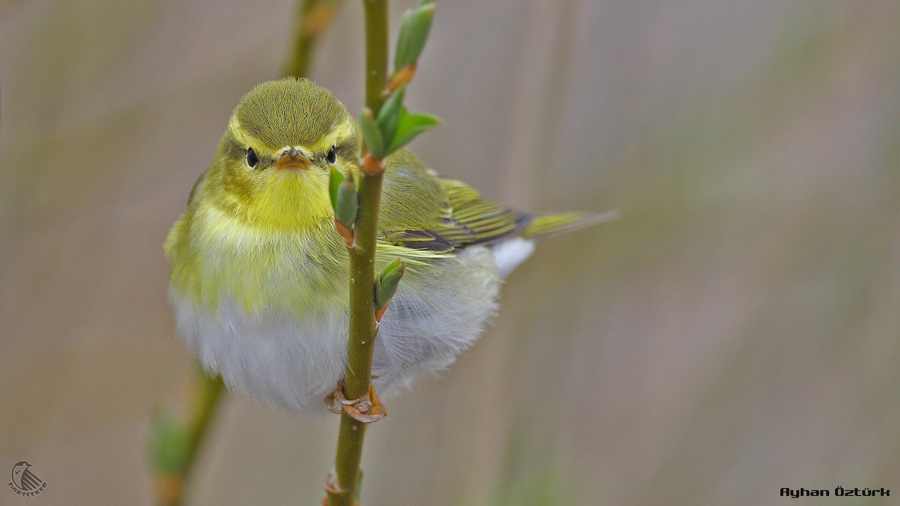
(557, 223)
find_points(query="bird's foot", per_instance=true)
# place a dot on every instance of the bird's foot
(366, 409)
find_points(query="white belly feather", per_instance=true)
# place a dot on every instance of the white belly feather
(295, 362)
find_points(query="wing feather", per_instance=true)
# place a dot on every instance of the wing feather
(422, 210)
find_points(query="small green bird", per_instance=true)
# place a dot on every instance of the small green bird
(259, 280)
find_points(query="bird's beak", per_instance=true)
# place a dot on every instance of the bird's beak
(292, 159)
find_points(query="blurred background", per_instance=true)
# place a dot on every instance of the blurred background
(733, 333)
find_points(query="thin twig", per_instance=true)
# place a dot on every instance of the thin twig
(312, 18)
(342, 490)
(206, 394)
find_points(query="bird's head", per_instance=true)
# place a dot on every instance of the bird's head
(273, 164)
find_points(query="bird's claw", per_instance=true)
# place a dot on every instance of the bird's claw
(366, 409)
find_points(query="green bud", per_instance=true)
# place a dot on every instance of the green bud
(414, 28)
(337, 177)
(389, 116)
(346, 203)
(372, 134)
(387, 282)
(410, 127)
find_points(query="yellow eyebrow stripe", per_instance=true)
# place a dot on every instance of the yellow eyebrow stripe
(338, 132)
(234, 126)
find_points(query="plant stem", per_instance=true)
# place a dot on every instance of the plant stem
(206, 395)
(363, 331)
(208, 392)
(363, 328)
(376, 12)
(298, 64)
(312, 18)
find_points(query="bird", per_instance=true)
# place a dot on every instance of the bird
(259, 279)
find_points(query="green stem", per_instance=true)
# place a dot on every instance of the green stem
(376, 12)
(298, 64)
(210, 389)
(363, 328)
(312, 18)
(205, 398)
(363, 331)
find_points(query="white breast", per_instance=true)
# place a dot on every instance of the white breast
(295, 361)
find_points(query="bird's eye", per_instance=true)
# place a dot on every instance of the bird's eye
(331, 156)
(252, 159)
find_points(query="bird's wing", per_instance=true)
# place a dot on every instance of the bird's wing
(197, 185)
(423, 211)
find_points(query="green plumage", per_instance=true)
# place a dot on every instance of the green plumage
(271, 113)
(422, 210)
